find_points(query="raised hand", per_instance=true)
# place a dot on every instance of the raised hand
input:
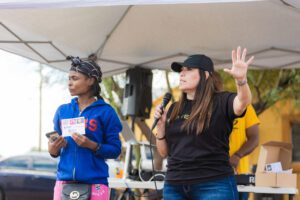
(239, 65)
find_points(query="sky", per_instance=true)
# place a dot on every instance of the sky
(19, 118)
(19, 101)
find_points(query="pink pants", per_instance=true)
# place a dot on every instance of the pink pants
(98, 192)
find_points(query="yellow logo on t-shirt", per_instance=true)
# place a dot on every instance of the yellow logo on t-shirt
(184, 116)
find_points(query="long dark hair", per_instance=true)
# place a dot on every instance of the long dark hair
(202, 107)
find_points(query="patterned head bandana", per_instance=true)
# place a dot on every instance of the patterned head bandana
(87, 67)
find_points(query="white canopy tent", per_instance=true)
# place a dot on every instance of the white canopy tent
(151, 33)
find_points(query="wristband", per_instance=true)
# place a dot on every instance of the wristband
(97, 148)
(54, 156)
(162, 138)
(241, 83)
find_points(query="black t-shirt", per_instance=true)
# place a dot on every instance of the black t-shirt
(204, 157)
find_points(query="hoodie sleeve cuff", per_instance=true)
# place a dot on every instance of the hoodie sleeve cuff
(97, 149)
(55, 156)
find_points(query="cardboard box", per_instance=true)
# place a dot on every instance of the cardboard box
(272, 152)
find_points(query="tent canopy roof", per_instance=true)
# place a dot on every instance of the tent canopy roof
(151, 36)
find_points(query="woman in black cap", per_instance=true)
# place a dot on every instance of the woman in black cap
(194, 132)
(83, 151)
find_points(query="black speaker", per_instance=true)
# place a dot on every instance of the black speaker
(137, 97)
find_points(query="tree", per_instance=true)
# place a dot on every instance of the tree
(270, 86)
(113, 92)
(46, 80)
(113, 88)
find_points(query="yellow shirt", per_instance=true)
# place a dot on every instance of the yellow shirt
(238, 136)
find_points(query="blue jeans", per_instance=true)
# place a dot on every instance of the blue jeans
(222, 189)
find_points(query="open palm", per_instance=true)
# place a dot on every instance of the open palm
(239, 65)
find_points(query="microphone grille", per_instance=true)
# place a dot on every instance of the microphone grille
(167, 98)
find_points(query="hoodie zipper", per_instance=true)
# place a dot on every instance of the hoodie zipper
(74, 168)
(76, 148)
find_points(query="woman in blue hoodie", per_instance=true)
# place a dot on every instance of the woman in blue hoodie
(82, 156)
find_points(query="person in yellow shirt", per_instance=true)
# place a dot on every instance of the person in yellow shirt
(243, 140)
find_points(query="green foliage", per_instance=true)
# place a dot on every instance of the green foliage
(112, 91)
(269, 86)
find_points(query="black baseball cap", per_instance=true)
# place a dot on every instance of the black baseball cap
(195, 61)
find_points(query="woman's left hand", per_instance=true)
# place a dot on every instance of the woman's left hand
(83, 141)
(239, 65)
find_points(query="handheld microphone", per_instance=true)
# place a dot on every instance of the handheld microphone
(164, 103)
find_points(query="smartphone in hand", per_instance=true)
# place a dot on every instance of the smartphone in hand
(52, 136)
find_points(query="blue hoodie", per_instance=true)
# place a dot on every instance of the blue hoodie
(103, 126)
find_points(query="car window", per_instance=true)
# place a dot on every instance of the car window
(16, 162)
(44, 164)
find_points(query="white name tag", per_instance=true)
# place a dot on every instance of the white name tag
(274, 167)
(73, 125)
